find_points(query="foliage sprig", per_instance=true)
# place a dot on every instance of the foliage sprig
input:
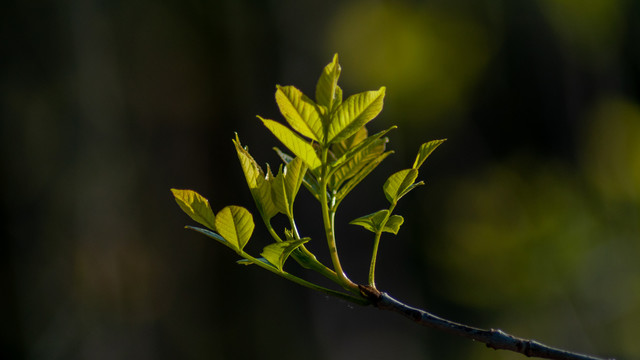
(330, 152)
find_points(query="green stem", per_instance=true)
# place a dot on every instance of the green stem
(306, 259)
(376, 244)
(328, 217)
(354, 299)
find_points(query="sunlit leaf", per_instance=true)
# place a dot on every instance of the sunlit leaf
(300, 112)
(339, 148)
(294, 175)
(425, 150)
(277, 253)
(328, 93)
(309, 180)
(373, 222)
(356, 162)
(400, 183)
(196, 206)
(393, 224)
(294, 142)
(353, 147)
(354, 113)
(355, 180)
(235, 224)
(259, 183)
(279, 193)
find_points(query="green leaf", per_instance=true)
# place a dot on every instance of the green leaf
(352, 148)
(210, 234)
(328, 93)
(354, 181)
(293, 177)
(259, 183)
(373, 222)
(393, 224)
(277, 253)
(340, 148)
(300, 112)
(196, 206)
(294, 142)
(356, 162)
(400, 183)
(354, 113)
(279, 193)
(425, 150)
(309, 180)
(235, 224)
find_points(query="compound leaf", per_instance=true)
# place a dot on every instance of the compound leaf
(294, 142)
(235, 224)
(398, 184)
(196, 206)
(300, 112)
(277, 253)
(425, 150)
(354, 113)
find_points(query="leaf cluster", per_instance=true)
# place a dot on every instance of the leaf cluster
(329, 151)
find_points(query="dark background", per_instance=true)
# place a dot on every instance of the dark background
(530, 220)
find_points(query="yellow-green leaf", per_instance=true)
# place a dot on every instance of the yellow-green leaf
(294, 142)
(354, 113)
(300, 112)
(400, 183)
(277, 253)
(425, 150)
(235, 224)
(327, 91)
(196, 206)
(259, 183)
(374, 222)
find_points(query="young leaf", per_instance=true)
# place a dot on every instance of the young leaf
(294, 175)
(327, 91)
(356, 162)
(259, 184)
(425, 150)
(294, 142)
(373, 222)
(196, 206)
(393, 224)
(277, 253)
(354, 113)
(279, 193)
(235, 224)
(400, 183)
(309, 180)
(351, 149)
(354, 181)
(300, 112)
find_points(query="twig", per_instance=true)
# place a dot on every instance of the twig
(494, 338)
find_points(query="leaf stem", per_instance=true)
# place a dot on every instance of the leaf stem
(376, 243)
(307, 259)
(328, 217)
(344, 296)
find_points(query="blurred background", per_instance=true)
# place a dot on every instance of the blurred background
(530, 220)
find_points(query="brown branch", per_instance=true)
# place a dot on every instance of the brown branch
(494, 338)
